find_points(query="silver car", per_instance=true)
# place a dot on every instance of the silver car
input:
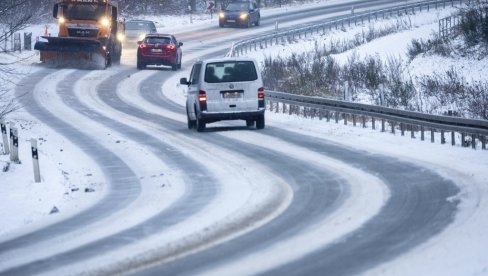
(136, 30)
(225, 89)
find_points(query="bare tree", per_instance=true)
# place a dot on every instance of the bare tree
(13, 17)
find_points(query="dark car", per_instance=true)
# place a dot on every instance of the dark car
(240, 13)
(159, 49)
(136, 30)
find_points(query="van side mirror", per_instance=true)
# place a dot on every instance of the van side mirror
(184, 81)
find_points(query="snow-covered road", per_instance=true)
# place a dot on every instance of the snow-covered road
(301, 197)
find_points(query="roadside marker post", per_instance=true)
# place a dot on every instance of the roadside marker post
(35, 161)
(3, 127)
(14, 141)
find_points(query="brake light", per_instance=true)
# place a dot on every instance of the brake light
(261, 97)
(261, 93)
(202, 100)
(171, 47)
(142, 46)
(202, 96)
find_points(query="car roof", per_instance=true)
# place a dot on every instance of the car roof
(139, 21)
(212, 60)
(158, 35)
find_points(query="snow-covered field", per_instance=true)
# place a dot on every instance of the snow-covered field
(71, 181)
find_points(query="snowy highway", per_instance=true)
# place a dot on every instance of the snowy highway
(231, 200)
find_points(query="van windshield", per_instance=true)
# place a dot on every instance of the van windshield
(230, 71)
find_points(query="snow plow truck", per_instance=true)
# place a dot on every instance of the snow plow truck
(90, 35)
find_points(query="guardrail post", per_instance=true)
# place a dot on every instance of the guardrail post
(473, 141)
(373, 125)
(382, 125)
(483, 142)
(453, 138)
(412, 132)
(337, 117)
(277, 107)
(327, 115)
(345, 115)
(35, 161)
(363, 118)
(392, 124)
(463, 139)
(422, 133)
(284, 108)
(321, 114)
(402, 129)
(290, 110)
(270, 105)
(3, 127)
(443, 139)
(354, 119)
(432, 137)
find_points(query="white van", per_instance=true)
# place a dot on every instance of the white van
(225, 89)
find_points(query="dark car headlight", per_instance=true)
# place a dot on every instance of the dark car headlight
(221, 15)
(243, 16)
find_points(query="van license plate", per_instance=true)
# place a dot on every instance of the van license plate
(231, 94)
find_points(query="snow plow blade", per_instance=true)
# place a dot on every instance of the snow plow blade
(67, 51)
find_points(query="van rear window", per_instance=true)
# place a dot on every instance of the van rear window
(230, 71)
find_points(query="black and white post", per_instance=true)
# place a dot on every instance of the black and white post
(35, 161)
(3, 128)
(14, 145)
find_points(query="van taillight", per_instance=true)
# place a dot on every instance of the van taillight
(202, 99)
(202, 96)
(261, 97)
(261, 93)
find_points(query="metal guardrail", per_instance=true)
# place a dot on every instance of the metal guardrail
(448, 26)
(472, 132)
(243, 46)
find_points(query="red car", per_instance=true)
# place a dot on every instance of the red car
(159, 49)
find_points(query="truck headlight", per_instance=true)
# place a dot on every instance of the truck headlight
(61, 20)
(105, 22)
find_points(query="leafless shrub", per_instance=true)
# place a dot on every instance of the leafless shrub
(400, 89)
(452, 91)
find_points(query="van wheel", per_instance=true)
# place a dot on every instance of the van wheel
(191, 123)
(260, 122)
(200, 125)
(249, 123)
